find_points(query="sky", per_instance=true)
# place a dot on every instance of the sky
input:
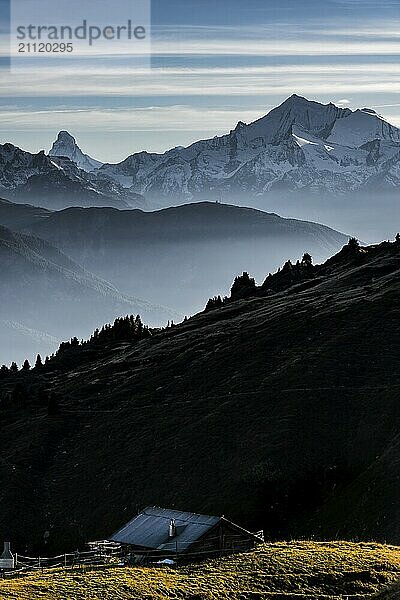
(213, 63)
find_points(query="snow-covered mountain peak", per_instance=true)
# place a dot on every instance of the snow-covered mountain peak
(300, 144)
(361, 127)
(65, 145)
(316, 118)
(66, 138)
(295, 100)
(57, 182)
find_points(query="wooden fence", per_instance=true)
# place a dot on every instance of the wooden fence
(96, 557)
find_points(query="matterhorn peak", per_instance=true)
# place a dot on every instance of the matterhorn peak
(65, 136)
(65, 145)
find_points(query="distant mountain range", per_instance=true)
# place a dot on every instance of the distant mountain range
(279, 409)
(300, 145)
(177, 256)
(303, 159)
(57, 182)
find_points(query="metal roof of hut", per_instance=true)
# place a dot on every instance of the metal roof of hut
(150, 529)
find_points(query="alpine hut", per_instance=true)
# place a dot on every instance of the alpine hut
(160, 533)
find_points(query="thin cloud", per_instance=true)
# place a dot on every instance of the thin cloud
(342, 81)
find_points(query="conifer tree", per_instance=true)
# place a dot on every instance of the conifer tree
(353, 243)
(4, 371)
(287, 267)
(306, 261)
(243, 285)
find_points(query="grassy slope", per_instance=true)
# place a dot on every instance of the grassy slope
(280, 570)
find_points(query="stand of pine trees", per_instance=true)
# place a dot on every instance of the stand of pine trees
(124, 329)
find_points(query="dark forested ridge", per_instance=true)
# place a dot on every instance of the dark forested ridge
(278, 408)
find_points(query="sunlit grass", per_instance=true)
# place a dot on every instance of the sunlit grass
(280, 570)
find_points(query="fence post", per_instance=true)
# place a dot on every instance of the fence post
(65, 561)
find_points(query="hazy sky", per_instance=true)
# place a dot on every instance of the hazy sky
(214, 62)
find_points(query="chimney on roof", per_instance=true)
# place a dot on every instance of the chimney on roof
(172, 528)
